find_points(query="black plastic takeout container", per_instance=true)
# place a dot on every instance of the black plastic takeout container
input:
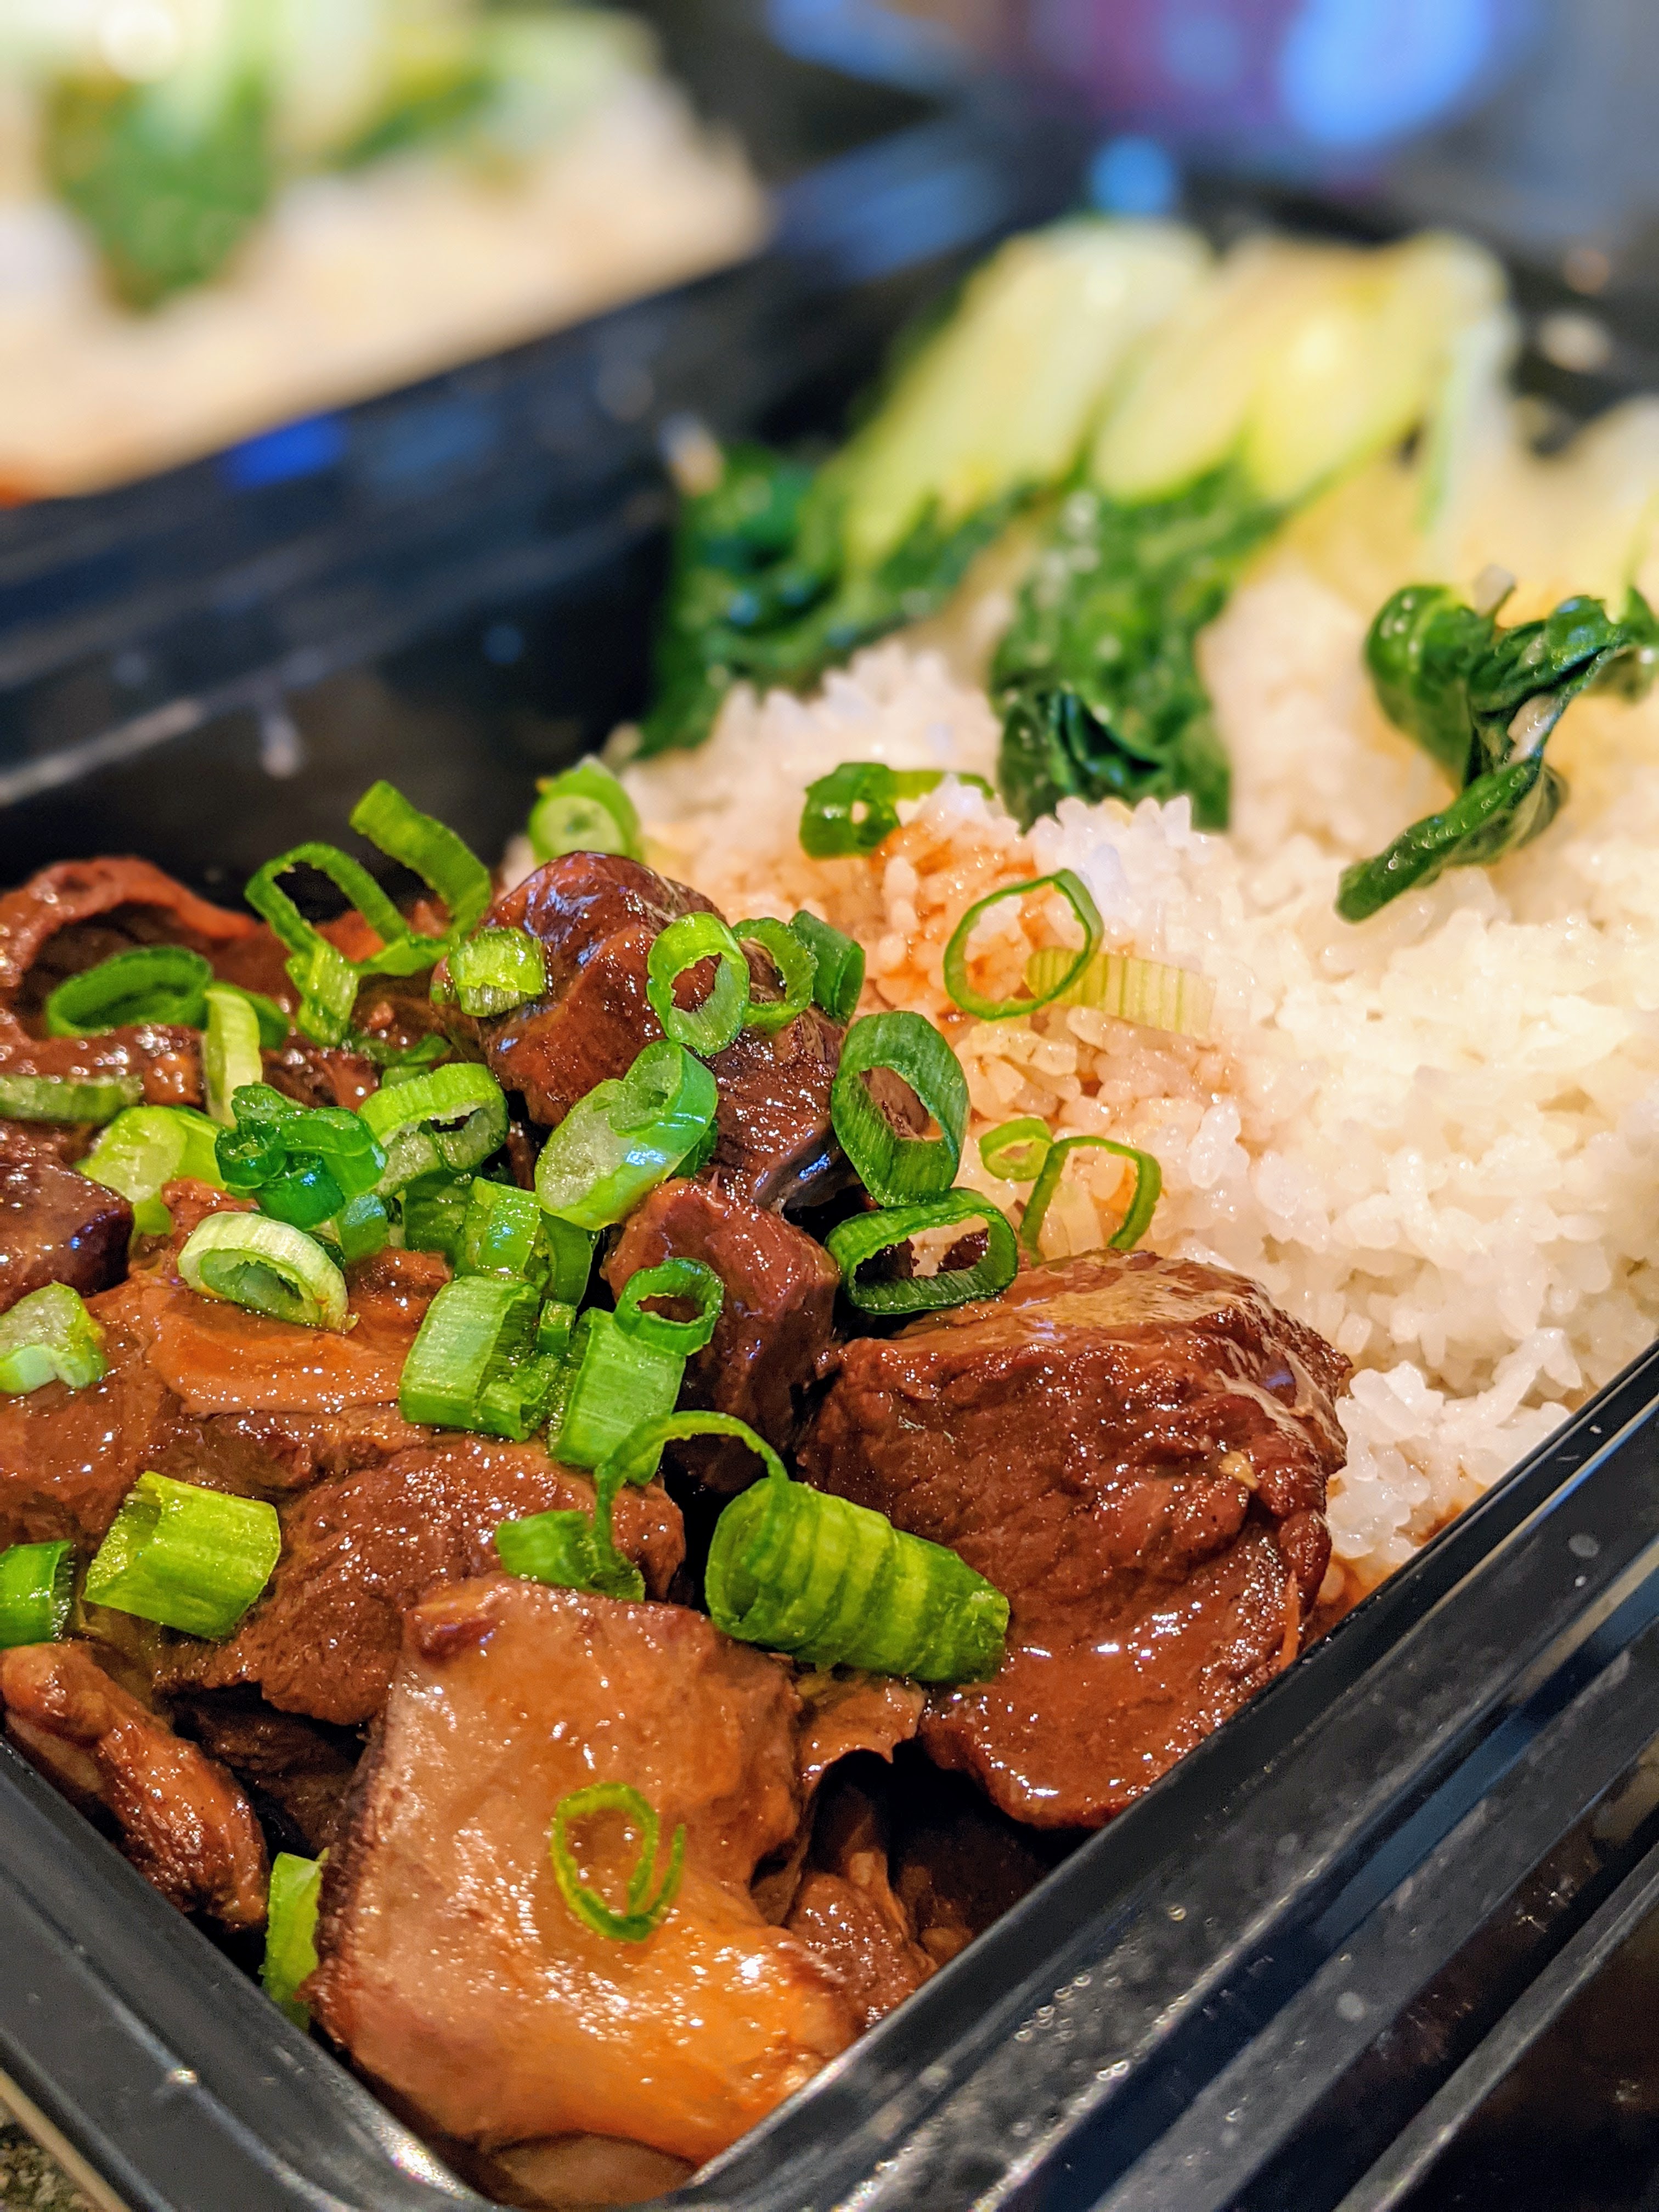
(1282, 1980)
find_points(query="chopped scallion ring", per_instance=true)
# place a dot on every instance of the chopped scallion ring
(58, 1098)
(686, 943)
(618, 1380)
(800, 1570)
(497, 970)
(145, 1148)
(412, 1122)
(643, 1915)
(1147, 992)
(671, 1278)
(290, 1959)
(855, 807)
(563, 1549)
(191, 1559)
(443, 861)
(894, 1169)
(855, 1241)
(230, 1049)
(434, 1208)
(151, 983)
(478, 1333)
(626, 1136)
(325, 978)
(1014, 1152)
(49, 1337)
(585, 810)
(305, 1164)
(1073, 889)
(361, 1228)
(797, 966)
(839, 977)
(502, 1233)
(266, 1267)
(570, 1259)
(1143, 1201)
(37, 1588)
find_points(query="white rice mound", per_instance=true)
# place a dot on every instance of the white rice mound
(1434, 1137)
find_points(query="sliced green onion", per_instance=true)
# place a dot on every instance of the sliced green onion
(478, 1332)
(839, 977)
(497, 970)
(291, 1902)
(626, 1136)
(268, 1267)
(58, 1098)
(585, 810)
(1014, 1152)
(895, 1168)
(555, 1325)
(1073, 889)
(502, 1233)
(305, 1163)
(413, 1122)
(570, 1258)
(562, 1548)
(230, 1050)
(445, 863)
(49, 1337)
(1149, 1182)
(151, 983)
(434, 1208)
(855, 1241)
(326, 981)
(361, 1228)
(709, 1028)
(797, 966)
(37, 1588)
(796, 1570)
(671, 1278)
(400, 1062)
(145, 1148)
(1148, 992)
(855, 807)
(274, 1023)
(643, 1916)
(616, 1382)
(191, 1559)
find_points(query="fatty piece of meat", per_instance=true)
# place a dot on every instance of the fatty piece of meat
(596, 915)
(775, 1320)
(180, 1815)
(452, 1969)
(56, 1226)
(1134, 1450)
(359, 1549)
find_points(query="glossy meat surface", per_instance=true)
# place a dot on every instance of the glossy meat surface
(1134, 1450)
(136, 903)
(595, 915)
(775, 1320)
(181, 1817)
(359, 1549)
(56, 1226)
(303, 1769)
(452, 1969)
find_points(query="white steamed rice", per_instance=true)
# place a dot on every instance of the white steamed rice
(1434, 1137)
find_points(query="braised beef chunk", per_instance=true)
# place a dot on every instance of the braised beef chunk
(73, 915)
(1134, 1450)
(845, 1911)
(56, 1226)
(359, 1549)
(596, 915)
(179, 1815)
(774, 1323)
(304, 1769)
(452, 1969)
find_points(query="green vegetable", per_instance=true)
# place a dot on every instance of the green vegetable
(193, 1559)
(796, 965)
(1143, 1200)
(620, 1377)
(290, 1958)
(1014, 1151)
(854, 1241)
(708, 1028)
(626, 1136)
(502, 1233)
(838, 977)
(474, 1364)
(144, 1148)
(267, 1267)
(566, 1550)
(671, 1278)
(37, 1588)
(1481, 702)
(643, 1916)
(56, 1099)
(150, 983)
(1076, 894)
(49, 1337)
(585, 810)
(855, 807)
(448, 1121)
(230, 1049)
(497, 970)
(893, 1169)
(303, 1163)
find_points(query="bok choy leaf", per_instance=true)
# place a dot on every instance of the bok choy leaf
(1481, 702)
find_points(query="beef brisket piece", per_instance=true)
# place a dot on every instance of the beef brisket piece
(1134, 1450)
(452, 1969)
(304, 1769)
(846, 1911)
(775, 1323)
(359, 1549)
(56, 1226)
(103, 907)
(179, 1815)
(596, 915)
